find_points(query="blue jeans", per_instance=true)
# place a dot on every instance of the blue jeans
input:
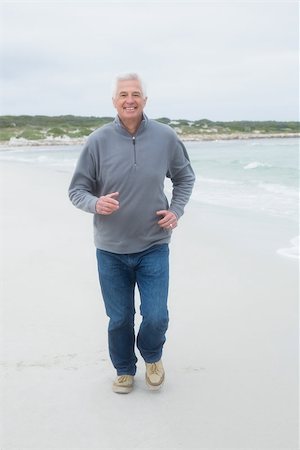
(118, 275)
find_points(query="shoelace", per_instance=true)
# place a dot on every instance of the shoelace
(154, 369)
(122, 379)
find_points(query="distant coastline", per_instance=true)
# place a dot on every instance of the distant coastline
(16, 131)
(65, 140)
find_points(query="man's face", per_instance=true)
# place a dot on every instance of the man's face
(129, 100)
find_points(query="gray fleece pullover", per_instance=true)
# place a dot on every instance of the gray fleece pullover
(113, 160)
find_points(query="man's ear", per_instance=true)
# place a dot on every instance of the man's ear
(113, 101)
(145, 100)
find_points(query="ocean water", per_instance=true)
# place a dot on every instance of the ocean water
(257, 175)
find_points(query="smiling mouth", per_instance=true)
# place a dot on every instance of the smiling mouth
(130, 109)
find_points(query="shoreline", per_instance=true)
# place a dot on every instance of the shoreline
(66, 140)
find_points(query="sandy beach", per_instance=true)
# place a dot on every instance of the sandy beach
(231, 355)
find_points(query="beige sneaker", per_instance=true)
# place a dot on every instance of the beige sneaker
(155, 375)
(123, 384)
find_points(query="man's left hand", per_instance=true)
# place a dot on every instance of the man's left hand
(169, 219)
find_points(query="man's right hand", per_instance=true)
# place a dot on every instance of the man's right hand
(107, 204)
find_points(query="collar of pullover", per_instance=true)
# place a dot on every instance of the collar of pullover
(121, 129)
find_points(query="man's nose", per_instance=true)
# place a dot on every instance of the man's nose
(129, 99)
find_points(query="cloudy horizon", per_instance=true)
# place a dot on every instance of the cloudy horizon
(220, 60)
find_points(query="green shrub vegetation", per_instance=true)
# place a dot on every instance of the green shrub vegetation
(31, 134)
(39, 127)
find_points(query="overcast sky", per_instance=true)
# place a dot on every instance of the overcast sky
(221, 60)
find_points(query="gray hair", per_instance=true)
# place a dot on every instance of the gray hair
(125, 77)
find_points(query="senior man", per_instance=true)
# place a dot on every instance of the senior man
(120, 178)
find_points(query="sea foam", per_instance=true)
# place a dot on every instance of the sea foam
(255, 165)
(292, 251)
